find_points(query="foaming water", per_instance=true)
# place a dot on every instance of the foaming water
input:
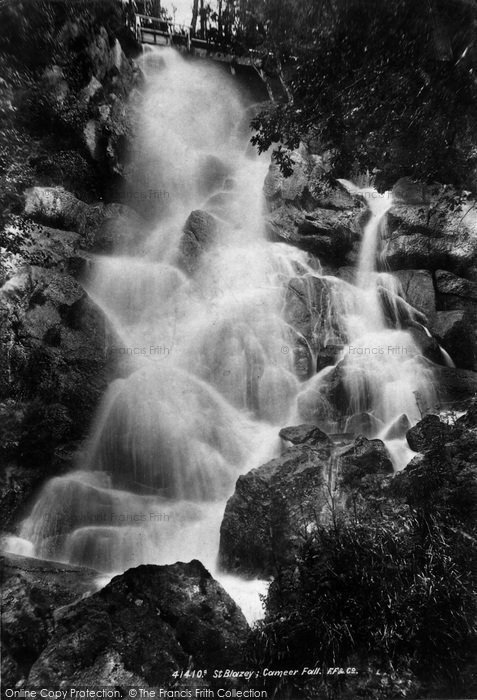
(211, 367)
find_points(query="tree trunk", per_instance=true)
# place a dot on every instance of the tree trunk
(195, 14)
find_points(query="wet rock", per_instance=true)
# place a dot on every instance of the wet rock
(200, 231)
(455, 292)
(32, 590)
(309, 434)
(429, 432)
(362, 459)
(326, 233)
(398, 428)
(419, 291)
(270, 506)
(149, 622)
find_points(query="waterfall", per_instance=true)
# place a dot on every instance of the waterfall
(209, 360)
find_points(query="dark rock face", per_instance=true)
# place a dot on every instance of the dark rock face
(456, 331)
(419, 291)
(429, 432)
(455, 384)
(141, 627)
(310, 434)
(455, 292)
(326, 233)
(200, 231)
(271, 504)
(31, 591)
(365, 457)
(442, 240)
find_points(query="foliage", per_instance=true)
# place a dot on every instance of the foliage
(385, 86)
(390, 591)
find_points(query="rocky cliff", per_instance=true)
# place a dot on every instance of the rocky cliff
(66, 104)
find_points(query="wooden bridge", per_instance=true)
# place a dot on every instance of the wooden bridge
(161, 32)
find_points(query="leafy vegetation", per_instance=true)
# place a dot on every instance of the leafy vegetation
(384, 86)
(391, 592)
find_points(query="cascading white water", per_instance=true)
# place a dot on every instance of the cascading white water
(211, 375)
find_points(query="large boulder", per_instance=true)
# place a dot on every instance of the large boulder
(429, 433)
(32, 590)
(200, 231)
(362, 459)
(454, 384)
(143, 626)
(272, 504)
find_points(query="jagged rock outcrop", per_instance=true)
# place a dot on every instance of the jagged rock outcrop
(145, 624)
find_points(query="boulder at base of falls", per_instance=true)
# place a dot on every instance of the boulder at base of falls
(200, 231)
(363, 424)
(428, 433)
(272, 504)
(32, 590)
(143, 626)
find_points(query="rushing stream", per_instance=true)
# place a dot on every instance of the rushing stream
(211, 375)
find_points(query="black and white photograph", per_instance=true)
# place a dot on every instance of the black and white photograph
(238, 349)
